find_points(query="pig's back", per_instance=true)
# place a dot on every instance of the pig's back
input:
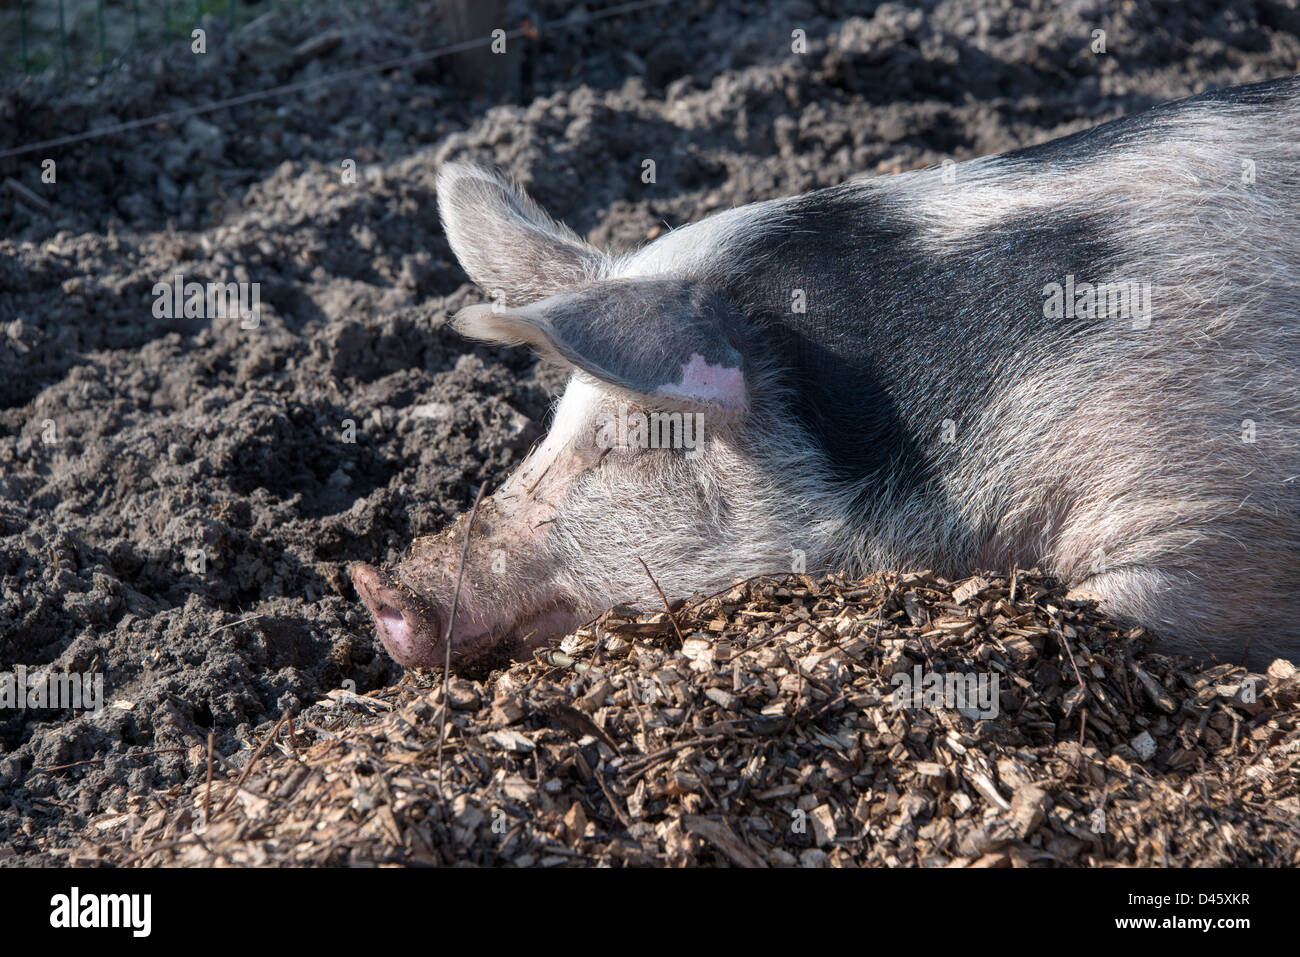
(1157, 460)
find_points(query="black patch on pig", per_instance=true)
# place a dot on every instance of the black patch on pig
(897, 336)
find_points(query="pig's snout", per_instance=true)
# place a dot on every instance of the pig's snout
(407, 625)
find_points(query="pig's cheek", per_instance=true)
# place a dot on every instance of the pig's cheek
(531, 510)
(522, 522)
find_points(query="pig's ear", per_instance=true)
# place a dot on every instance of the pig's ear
(505, 241)
(663, 340)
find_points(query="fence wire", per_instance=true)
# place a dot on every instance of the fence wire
(79, 35)
(339, 76)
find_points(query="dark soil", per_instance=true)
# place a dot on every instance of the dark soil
(128, 442)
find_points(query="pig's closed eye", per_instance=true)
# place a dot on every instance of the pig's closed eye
(591, 455)
(620, 453)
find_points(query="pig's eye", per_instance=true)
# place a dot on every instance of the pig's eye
(617, 453)
(593, 455)
(608, 438)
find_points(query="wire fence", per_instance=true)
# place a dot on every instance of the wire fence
(77, 35)
(475, 43)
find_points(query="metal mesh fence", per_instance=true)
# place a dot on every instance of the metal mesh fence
(77, 35)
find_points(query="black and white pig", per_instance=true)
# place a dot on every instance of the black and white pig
(1083, 356)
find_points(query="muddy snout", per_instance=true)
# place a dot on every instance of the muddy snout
(407, 624)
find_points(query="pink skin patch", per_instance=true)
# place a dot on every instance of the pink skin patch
(395, 633)
(413, 629)
(701, 381)
(398, 628)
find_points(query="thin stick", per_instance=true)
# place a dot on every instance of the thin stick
(25, 195)
(668, 608)
(784, 629)
(1083, 719)
(253, 760)
(648, 761)
(102, 758)
(1077, 677)
(1083, 730)
(738, 583)
(614, 804)
(242, 621)
(451, 629)
(207, 795)
(332, 78)
(221, 759)
(165, 846)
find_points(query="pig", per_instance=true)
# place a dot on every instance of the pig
(1083, 356)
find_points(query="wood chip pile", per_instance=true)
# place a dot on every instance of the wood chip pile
(768, 726)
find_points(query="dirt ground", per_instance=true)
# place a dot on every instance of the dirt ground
(131, 446)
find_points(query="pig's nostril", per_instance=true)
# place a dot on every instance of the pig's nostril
(391, 617)
(407, 624)
(408, 635)
(395, 631)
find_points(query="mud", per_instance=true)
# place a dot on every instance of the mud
(179, 498)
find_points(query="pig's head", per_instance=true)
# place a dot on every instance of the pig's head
(661, 449)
